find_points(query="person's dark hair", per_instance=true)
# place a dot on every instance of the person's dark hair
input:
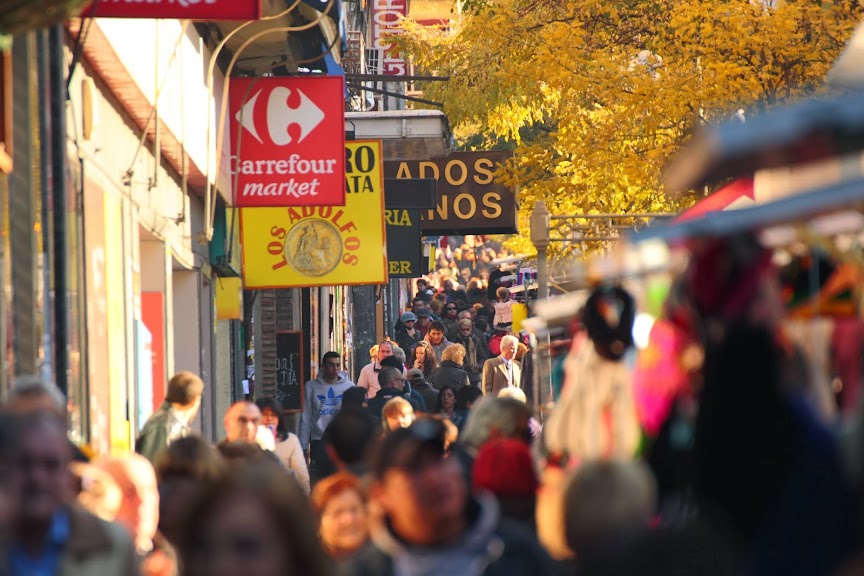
(272, 405)
(190, 457)
(351, 433)
(610, 341)
(436, 325)
(328, 355)
(438, 406)
(484, 314)
(388, 375)
(243, 453)
(467, 395)
(392, 362)
(283, 500)
(354, 397)
(184, 388)
(481, 324)
(430, 361)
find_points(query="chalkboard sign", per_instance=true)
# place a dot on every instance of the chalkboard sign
(289, 370)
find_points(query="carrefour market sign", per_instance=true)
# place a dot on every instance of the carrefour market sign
(182, 9)
(301, 246)
(288, 141)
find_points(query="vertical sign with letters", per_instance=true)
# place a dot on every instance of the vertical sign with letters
(386, 17)
(288, 141)
(469, 198)
(404, 248)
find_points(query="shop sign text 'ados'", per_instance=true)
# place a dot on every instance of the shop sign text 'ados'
(301, 246)
(182, 9)
(288, 141)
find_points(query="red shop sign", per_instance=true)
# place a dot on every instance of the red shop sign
(291, 145)
(182, 9)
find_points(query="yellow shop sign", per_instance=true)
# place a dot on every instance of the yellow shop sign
(322, 245)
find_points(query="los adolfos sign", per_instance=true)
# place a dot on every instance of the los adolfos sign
(288, 141)
(182, 9)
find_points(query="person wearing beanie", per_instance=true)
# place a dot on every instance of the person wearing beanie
(504, 467)
(407, 336)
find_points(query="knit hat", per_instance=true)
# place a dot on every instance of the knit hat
(505, 468)
(408, 317)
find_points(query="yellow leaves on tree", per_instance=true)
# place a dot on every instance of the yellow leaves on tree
(596, 94)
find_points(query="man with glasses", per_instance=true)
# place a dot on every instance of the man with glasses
(451, 316)
(369, 374)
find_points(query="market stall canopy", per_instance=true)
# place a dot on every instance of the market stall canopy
(285, 52)
(723, 199)
(827, 211)
(802, 133)
(21, 15)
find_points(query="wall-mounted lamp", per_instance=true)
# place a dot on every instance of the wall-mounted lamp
(350, 133)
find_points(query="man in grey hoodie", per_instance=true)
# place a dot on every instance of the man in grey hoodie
(431, 524)
(323, 400)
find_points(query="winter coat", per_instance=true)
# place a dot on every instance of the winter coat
(429, 394)
(489, 547)
(475, 356)
(322, 402)
(449, 373)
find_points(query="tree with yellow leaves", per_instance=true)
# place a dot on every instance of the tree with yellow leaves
(595, 95)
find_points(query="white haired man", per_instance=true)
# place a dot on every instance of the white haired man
(502, 371)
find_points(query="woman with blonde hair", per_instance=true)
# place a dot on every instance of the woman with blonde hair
(450, 372)
(397, 413)
(340, 508)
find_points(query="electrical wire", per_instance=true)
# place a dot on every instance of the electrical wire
(220, 131)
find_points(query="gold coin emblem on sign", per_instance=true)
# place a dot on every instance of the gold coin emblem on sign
(313, 247)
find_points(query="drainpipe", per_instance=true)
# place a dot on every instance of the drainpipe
(60, 182)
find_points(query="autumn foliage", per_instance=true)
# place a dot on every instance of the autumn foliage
(596, 94)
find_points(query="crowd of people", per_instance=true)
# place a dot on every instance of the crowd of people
(433, 462)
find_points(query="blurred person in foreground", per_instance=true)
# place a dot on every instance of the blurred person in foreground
(51, 535)
(608, 505)
(505, 468)
(287, 445)
(139, 511)
(490, 419)
(250, 521)
(343, 522)
(324, 395)
(171, 421)
(397, 413)
(430, 522)
(348, 440)
(181, 470)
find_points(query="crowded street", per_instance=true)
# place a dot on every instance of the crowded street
(431, 288)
